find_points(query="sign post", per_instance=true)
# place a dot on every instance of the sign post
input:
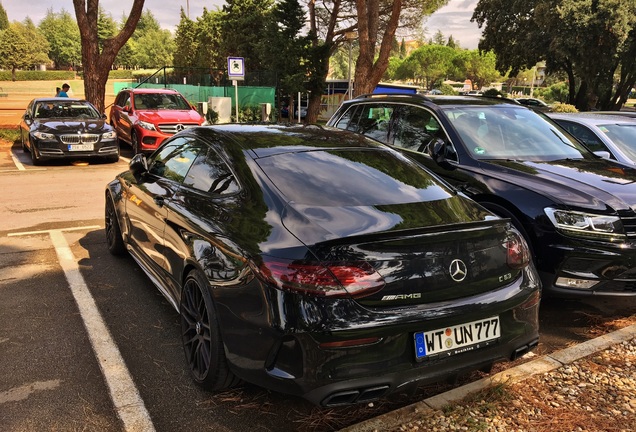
(236, 72)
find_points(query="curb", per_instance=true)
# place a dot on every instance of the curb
(547, 363)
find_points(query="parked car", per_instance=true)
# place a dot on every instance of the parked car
(533, 103)
(320, 263)
(576, 209)
(610, 136)
(66, 128)
(145, 117)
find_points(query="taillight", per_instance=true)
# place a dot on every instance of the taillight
(357, 279)
(518, 253)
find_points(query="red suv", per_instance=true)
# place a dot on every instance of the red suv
(145, 117)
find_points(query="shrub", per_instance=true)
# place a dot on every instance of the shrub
(33, 75)
(563, 108)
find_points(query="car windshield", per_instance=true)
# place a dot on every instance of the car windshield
(160, 101)
(512, 133)
(623, 135)
(70, 109)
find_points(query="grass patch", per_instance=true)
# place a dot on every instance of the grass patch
(12, 135)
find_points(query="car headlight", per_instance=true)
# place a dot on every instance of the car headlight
(588, 225)
(146, 125)
(110, 135)
(43, 135)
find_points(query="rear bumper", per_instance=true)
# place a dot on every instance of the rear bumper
(296, 351)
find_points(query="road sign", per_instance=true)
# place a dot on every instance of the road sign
(236, 68)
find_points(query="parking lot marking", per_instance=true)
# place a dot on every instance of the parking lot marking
(128, 403)
(17, 163)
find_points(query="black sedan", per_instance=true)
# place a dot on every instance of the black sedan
(576, 209)
(320, 263)
(55, 128)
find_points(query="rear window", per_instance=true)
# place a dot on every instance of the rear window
(361, 177)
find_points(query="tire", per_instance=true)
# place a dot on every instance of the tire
(34, 158)
(134, 142)
(25, 149)
(114, 239)
(202, 343)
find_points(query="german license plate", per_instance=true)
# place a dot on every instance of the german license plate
(80, 147)
(457, 339)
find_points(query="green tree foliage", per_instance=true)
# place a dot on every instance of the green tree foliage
(186, 42)
(62, 33)
(592, 41)
(242, 30)
(284, 48)
(106, 26)
(479, 67)
(22, 46)
(429, 64)
(148, 47)
(4, 19)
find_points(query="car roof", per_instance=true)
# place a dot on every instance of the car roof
(435, 99)
(151, 90)
(591, 118)
(58, 99)
(287, 138)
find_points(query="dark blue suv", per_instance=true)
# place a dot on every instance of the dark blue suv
(576, 210)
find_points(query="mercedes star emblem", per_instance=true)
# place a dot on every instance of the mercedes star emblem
(458, 270)
(180, 127)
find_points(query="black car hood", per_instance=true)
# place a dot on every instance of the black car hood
(584, 183)
(73, 126)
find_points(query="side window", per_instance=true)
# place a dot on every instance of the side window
(122, 99)
(585, 135)
(345, 121)
(210, 173)
(417, 129)
(175, 159)
(372, 120)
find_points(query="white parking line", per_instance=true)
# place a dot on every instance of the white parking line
(16, 161)
(125, 396)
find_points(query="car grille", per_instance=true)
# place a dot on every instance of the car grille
(80, 139)
(173, 128)
(629, 223)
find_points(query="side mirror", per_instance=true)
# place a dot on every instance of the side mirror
(440, 151)
(138, 164)
(27, 119)
(126, 108)
(604, 154)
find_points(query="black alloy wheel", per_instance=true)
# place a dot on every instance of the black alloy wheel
(114, 239)
(202, 343)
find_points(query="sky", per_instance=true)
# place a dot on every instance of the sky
(452, 19)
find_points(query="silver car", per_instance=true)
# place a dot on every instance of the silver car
(610, 136)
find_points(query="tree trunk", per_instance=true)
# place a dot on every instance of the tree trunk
(368, 72)
(97, 65)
